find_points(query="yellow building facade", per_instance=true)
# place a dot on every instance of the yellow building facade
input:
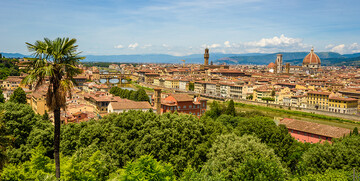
(343, 105)
(318, 100)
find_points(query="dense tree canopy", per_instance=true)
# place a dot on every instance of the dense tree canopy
(139, 95)
(8, 68)
(342, 154)
(144, 145)
(231, 155)
(2, 98)
(147, 168)
(18, 96)
(230, 110)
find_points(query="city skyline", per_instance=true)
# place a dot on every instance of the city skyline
(184, 27)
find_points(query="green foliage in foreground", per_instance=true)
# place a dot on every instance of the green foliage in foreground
(338, 175)
(18, 96)
(182, 147)
(244, 158)
(2, 98)
(146, 168)
(342, 154)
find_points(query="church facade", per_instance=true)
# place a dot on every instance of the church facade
(310, 65)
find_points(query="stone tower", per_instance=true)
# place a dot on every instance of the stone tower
(287, 68)
(157, 100)
(278, 64)
(206, 57)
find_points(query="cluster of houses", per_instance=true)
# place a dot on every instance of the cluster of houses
(333, 89)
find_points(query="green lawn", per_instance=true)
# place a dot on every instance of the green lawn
(283, 113)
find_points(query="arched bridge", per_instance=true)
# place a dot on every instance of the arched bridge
(119, 76)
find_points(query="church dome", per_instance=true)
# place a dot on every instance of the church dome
(271, 65)
(311, 58)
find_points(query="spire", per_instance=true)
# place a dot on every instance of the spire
(312, 50)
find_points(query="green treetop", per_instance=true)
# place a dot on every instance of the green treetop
(19, 96)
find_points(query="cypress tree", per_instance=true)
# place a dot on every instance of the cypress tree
(230, 110)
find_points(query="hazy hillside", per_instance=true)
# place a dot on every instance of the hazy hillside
(295, 58)
(267, 58)
(13, 55)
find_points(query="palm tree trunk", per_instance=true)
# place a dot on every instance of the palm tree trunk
(57, 142)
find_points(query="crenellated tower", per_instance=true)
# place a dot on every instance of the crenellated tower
(206, 57)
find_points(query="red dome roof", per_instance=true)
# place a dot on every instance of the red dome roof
(311, 58)
(271, 65)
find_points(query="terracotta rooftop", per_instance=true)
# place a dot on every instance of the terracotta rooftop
(129, 104)
(311, 58)
(315, 128)
(342, 99)
(182, 97)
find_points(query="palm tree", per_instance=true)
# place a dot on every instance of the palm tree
(56, 60)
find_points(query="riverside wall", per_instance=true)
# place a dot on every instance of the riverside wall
(326, 113)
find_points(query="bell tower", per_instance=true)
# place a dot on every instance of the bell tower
(278, 64)
(206, 57)
(157, 100)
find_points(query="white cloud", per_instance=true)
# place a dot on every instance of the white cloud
(329, 46)
(215, 46)
(264, 45)
(165, 45)
(343, 48)
(119, 46)
(227, 44)
(133, 46)
(281, 41)
(355, 48)
(338, 48)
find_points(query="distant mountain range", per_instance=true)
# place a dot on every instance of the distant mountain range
(295, 58)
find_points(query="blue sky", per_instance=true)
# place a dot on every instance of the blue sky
(113, 27)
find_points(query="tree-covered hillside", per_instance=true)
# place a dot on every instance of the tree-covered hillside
(8, 68)
(221, 145)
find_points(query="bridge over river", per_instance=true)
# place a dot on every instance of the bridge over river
(115, 76)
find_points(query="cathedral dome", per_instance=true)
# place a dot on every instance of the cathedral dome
(311, 58)
(271, 65)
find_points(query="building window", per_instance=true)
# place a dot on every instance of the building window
(184, 107)
(190, 106)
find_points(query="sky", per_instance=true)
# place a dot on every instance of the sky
(183, 27)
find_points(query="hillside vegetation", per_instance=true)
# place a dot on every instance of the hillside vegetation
(221, 145)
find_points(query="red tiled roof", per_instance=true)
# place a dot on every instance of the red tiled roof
(342, 99)
(181, 97)
(129, 104)
(311, 58)
(315, 128)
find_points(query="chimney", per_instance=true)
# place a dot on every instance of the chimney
(157, 100)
